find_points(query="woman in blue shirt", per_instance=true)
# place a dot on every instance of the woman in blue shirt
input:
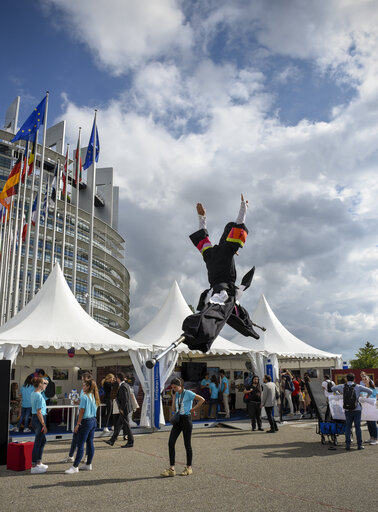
(86, 426)
(182, 402)
(38, 423)
(214, 392)
(26, 409)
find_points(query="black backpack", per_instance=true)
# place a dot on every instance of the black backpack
(330, 384)
(350, 397)
(50, 389)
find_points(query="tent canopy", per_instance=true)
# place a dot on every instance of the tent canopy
(166, 327)
(277, 339)
(54, 318)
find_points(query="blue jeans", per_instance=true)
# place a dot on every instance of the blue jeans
(40, 439)
(24, 418)
(372, 428)
(213, 402)
(85, 434)
(353, 417)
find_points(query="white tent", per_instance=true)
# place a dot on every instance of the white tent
(54, 319)
(163, 329)
(277, 341)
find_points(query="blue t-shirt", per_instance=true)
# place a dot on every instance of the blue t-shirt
(187, 401)
(26, 392)
(205, 381)
(38, 402)
(224, 386)
(88, 403)
(214, 390)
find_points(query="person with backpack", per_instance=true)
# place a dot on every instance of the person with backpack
(352, 407)
(287, 387)
(327, 385)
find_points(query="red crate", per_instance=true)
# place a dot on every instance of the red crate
(19, 456)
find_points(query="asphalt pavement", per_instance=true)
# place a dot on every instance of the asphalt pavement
(233, 470)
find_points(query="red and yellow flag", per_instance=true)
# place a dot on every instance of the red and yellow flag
(11, 185)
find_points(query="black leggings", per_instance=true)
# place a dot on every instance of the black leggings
(185, 426)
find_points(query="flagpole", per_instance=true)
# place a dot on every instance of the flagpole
(11, 291)
(90, 252)
(65, 214)
(36, 232)
(29, 228)
(54, 222)
(45, 230)
(78, 158)
(20, 230)
(5, 297)
(4, 249)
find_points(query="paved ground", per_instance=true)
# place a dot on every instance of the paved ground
(234, 470)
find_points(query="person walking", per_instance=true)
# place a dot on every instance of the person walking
(86, 426)
(269, 401)
(295, 395)
(214, 391)
(38, 405)
(70, 457)
(253, 392)
(26, 409)
(182, 404)
(225, 390)
(352, 407)
(125, 406)
(108, 385)
(371, 425)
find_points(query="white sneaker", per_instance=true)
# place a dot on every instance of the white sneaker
(86, 467)
(67, 459)
(26, 430)
(43, 465)
(106, 429)
(72, 470)
(37, 469)
(373, 441)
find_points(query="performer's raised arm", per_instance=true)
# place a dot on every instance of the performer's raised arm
(201, 216)
(242, 212)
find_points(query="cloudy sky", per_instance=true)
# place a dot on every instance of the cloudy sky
(200, 100)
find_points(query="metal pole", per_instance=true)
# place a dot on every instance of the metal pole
(45, 230)
(74, 268)
(36, 233)
(151, 362)
(64, 215)
(90, 252)
(54, 223)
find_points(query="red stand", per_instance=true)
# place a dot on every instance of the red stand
(19, 457)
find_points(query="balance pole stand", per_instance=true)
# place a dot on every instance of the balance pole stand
(5, 375)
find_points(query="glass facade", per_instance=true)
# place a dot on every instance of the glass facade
(110, 278)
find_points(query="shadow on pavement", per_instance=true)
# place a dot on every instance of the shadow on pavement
(87, 483)
(295, 450)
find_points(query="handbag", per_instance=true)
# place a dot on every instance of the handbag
(246, 398)
(175, 420)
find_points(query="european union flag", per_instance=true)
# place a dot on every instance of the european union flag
(33, 122)
(89, 156)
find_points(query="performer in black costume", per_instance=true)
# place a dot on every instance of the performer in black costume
(219, 304)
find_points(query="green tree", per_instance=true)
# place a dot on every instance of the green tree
(366, 357)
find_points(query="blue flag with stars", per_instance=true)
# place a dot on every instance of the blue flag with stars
(33, 122)
(89, 156)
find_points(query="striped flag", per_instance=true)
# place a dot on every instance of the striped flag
(53, 188)
(11, 185)
(31, 160)
(65, 174)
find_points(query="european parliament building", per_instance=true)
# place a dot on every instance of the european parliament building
(110, 278)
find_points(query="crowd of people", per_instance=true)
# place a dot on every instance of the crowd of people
(290, 392)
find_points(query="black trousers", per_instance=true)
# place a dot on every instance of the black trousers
(185, 426)
(272, 421)
(254, 412)
(295, 400)
(122, 422)
(108, 416)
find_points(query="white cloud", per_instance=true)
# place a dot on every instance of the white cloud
(123, 34)
(207, 133)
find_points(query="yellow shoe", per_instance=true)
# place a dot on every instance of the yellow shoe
(168, 472)
(187, 471)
